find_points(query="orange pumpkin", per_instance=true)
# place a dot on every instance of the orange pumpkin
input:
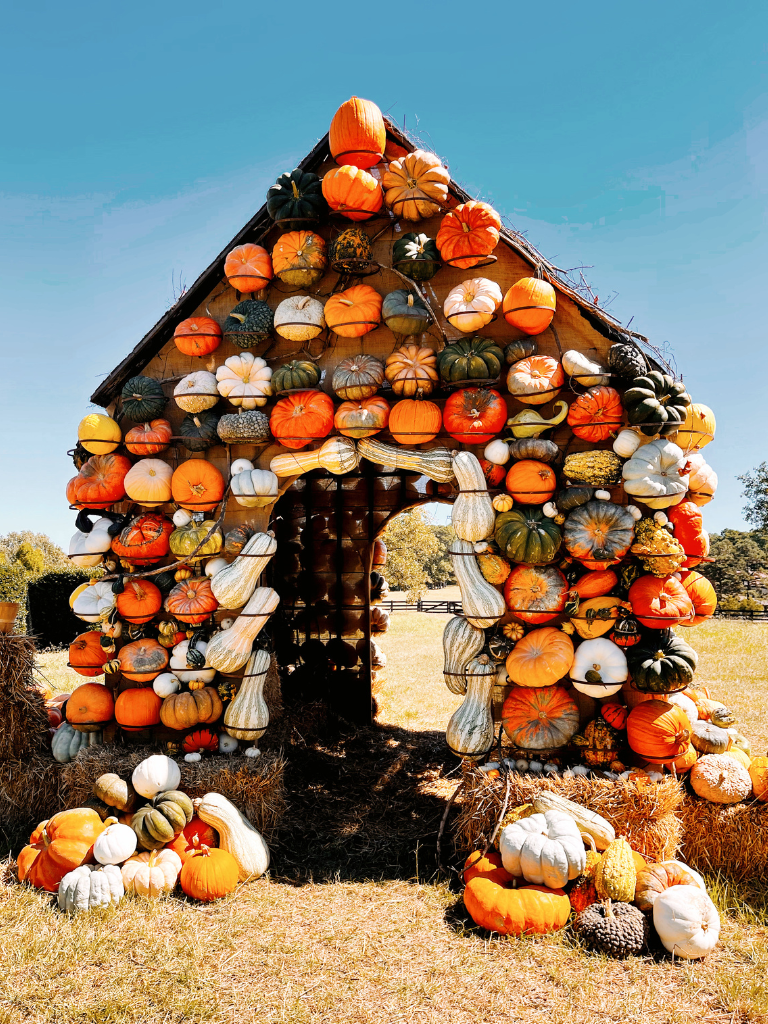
(614, 714)
(758, 773)
(468, 234)
(412, 370)
(658, 731)
(195, 834)
(703, 597)
(142, 660)
(659, 603)
(354, 312)
(531, 482)
(58, 846)
(597, 583)
(541, 658)
(529, 305)
(144, 540)
(89, 706)
(357, 135)
(414, 422)
(139, 601)
(535, 380)
(529, 909)
(687, 759)
(298, 258)
(689, 530)
(86, 655)
(540, 718)
(197, 336)
(654, 879)
(197, 485)
(209, 874)
(535, 594)
(138, 708)
(302, 417)
(352, 192)
(149, 438)
(474, 415)
(100, 482)
(200, 741)
(363, 418)
(596, 414)
(248, 268)
(192, 600)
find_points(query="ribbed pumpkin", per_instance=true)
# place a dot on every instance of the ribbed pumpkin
(703, 597)
(404, 312)
(468, 233)
(530, 482)
(529, 305)
(299, 258)
(100, 482)
(474, 415)
(663, 663)
(149, 438)
(86, 654)
(535, 595)
(357, 135)
(412, 370)
(142, 660)
(660, 603)
(541, 658)
(302, 417)
(139, 601)
(416, 256)
(352, 192)
(199, 430)
(363, 418)
(296, 199)
(197, 336)
(299, 373)
(357, 377)
(197, 485)
(89, 706)
(143, 399)
(416, 185)
(525, 534)
(248, 268)
(192, 600)
(536, 380)
(658, 731)
(476, 358)
(599, 533)
(540, 718)
(354, 312)
(188, 710)
(413, 421)
(596, 414)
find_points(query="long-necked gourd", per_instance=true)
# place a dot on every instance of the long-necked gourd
(435, 463)
(472, 516)
(483, 605)
(236, 834)
(338, 455)
(588, 821)
(247, 716)
(461, 641)
(470, 731)
(234, 585)
(230, 649)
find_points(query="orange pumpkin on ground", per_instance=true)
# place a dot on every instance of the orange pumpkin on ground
(531, 482)
(302, 417)
(702, 594)
(142, 660)
(197, 485)
(86, 655)
(354, 193)
(357, 135)
(248, 268)
(540, 718)
(354, 312)
(139, 601)
(209, 874)
(596, 583)
(535, 594)
(363, 418)
(100, 482)
(658, 731)
(89, 706)
(194, 835)
(535, 380)
(689, 530)
(654, 879)
(149, 438)
(138, 708)
(529, 909)
(541, 658)
(144, 540)
(192, 600)
(468, 234)
(529, 305)
(596, 414)
(197, 336)
(58, 846)
(413, 422)
(660, 603)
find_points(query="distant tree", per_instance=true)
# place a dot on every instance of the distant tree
(740, 565)
(411, 542)
(756, 494)
(34, 552)
(438, 566)
(31, 558)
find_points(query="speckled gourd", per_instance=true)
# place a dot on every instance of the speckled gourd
(616, 874)
(234, 585)
(470, 731)
(229, 649)
(472, 516)
(483, 604)
(247, 716)
(436, 463)
(461, 641)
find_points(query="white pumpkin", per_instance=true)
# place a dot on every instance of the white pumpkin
(151, 874)
(92, 602)
(599, 658)
(214, 565)
(196, 392)
(544, 849)
(252, 752)
(115, 844)
(497, 452)
(227, 744)
(702, 480)
(299, 318)
(193, 757)
(87, 549)
(241, 465)
(657, 474)
(687, 921)
(255, 488)
(470, 305)
(182, 517)
(685, 703)
(154, 775)
(586, 372)
(626, 444)
(165, 684)
(89, 886)
(245, 380)
(188, 673)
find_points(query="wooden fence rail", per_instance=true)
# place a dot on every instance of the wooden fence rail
(454, 608)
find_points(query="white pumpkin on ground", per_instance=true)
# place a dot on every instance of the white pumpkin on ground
(470, 305)
(155, 774)
(245, 379)
(89, 886)
(196, 392)
(599, 667)
(88, 549)
(115, 844)
(92, 602)
(686, 920)
(657, 474)
(544, 849)
(255, 488)
(190, 673)
(151, 874)
(299, 318)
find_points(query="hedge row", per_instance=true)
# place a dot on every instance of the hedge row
(44, 602)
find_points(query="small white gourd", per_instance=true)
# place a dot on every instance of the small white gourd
(240, 466)
(602, 495)
(549, 509)
(214, 565)
(193, 757)
(635, 512)
(497, 452)
(626, 444)
(252, 752)
(227, 744)
(182, 517)
(585, 371)
(165, 684)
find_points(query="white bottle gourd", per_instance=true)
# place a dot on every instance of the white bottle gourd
(461, 641)
(470, 732)
(247, 716)
(483, 605)
(236, 834)
(230, 649)
(234, 585)
(472, 516)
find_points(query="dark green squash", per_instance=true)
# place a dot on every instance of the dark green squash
(247, 426)
(236, 539)
(661, 664)
(520, 349)
(534, 448)
(416, 256)
(657, 403)
(159, 821)
(572, 497)
(299, 373)
(143, 399)
(476, 358)
(351, 252)
(198, 430)
(404, 312)
(164, 581)
(626, 359)
(249, 324)
(296, 200)
(525, 535)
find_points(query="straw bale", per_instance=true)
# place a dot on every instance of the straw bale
(731, 838)
(29, 792)
(22, 706)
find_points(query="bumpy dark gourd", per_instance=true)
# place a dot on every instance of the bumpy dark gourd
(249, 426)
(249, 323)
(617, 929)
(351, 251)
(626, 359)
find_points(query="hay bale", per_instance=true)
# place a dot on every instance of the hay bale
(22, 706)
(29, 792)
(646, 815)
(255, 786)
(730, 838)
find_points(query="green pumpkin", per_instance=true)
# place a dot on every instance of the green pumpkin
(521, 349)
(572, 497)
(198, 430)
(296, 200)
(626, 359)
(300, 373)
(416, 256)
(534, 448)
(161, 820)
(476, 358)
(404, 312)
(657, 403)
(249, 324)
(663, 663)
(164, 581)
(143, 399)
(526, 535)
(350, 252)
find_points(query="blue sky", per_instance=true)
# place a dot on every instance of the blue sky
(137, 140)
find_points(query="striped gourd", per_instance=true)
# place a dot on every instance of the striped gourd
(472, 516)
(229, 649)
(483, 604)
(470, 732)
(436, 463)
(461, 641)
(338, 455)
(247, 716)
(234, 585)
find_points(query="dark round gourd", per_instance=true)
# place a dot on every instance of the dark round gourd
(572, 497)
(299, 373)
(296, 199)
(662, 664)
(249, 324)
(404, 312)
(416, 256)
(143, 399)
(236, 539)
(520, 349)
(159, 821)
(248, 426)
(656, 403)
(350, 252)
(165, 581)
(198, 430)
(616, 929)
(476, 358)
(626, 359)
(526, 535)
(534, 448)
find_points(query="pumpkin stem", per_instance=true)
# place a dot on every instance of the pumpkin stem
(152, 859)
(238, 316)
(295, 190)
(109, 821)
(608, 909)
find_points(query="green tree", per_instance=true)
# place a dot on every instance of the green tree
(756, 493)
(17, 547)
(411, 542)
(438, 566)
(31, 558)
(740, 566)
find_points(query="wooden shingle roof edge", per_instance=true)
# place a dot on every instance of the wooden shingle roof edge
(257, 227)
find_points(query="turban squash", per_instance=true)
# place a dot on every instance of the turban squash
(598, 533)
(144, 540)
(491, 904)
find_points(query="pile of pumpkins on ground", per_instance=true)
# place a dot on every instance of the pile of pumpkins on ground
(143, 836)
(554, 845)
